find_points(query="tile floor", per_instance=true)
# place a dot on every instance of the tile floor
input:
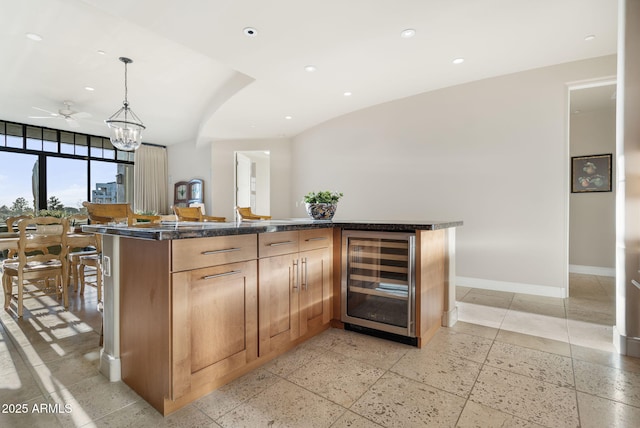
(512, 360)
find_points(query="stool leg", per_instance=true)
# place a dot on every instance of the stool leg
(81, 276)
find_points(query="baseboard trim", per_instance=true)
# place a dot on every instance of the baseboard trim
(593, 270)
(450, 318)
(629, 346)
(110, 366)
(512, 287)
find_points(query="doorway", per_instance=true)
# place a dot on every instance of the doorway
(252, 177)
(591, 216)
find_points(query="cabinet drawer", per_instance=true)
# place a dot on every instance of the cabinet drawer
(203, 252)
(315, 238)
(277, 243)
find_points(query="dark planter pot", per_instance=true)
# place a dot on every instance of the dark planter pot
(321, 211)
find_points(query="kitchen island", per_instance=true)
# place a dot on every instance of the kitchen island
(189, 307)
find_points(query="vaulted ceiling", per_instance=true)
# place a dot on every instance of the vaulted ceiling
(198, 74)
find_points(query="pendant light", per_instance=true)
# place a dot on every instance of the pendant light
(125, 127)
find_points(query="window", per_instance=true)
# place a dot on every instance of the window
(46, 168)
(66, 184)
(16, 177)
(111, 182)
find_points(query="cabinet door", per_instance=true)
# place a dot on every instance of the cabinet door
(214, 323)
(279, 321)
(315, 289)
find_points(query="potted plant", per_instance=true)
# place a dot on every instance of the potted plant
(322, 205)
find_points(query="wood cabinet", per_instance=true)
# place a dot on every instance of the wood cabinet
(295, 286)
(215, 323)
(194, 314)
(189, 315)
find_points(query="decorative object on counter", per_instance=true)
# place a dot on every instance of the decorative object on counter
(322, 205)
(125, 127)
(591, 173)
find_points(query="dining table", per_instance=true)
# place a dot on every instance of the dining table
(9, 240)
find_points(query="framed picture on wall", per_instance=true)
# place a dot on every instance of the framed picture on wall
(591, 173)
(181, 194)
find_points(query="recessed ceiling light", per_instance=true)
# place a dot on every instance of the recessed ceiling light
(89, 88)
(250, 32)
(408, 33)
(33, 36)
(347, 94)
(458, 60)
(310, 68)
(101, 53)
(288, 117)
(590, 37)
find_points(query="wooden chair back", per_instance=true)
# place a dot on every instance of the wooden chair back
(194, 214)
(38, 232)
(244, 213)
(107, 213)
(31, 264)
(188, 213)
(12, 222)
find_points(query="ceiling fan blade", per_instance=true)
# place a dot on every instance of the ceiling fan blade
(72, 123)
(41, 117)
(81, 115)
(46, 111)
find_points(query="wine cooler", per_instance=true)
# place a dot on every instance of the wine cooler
(378, 281)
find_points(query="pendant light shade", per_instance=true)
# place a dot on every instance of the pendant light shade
(125, 127)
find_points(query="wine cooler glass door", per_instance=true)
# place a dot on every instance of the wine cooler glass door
(378, 284)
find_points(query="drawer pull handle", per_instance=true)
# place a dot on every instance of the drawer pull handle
(226, 250)
(218, 275)
(319, 238)
(277, 244)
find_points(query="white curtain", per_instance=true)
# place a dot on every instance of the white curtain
(150, 178)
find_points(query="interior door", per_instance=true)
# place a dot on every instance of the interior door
(243, 180)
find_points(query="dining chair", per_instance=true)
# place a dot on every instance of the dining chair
(194, 214)
(115, 213)
(244, 213)
(104, 214)
(34, 270)
(79, 244)
(12, 223)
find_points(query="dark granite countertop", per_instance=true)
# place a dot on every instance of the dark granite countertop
(182, 230)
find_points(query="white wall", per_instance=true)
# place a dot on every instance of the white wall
(492, 153)
(222, 161)
(592, 233)
(186, 162)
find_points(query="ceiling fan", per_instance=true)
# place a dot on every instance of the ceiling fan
(70, 116)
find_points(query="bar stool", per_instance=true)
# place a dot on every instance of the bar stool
(93, 262)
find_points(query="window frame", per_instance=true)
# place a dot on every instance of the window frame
(95, 146)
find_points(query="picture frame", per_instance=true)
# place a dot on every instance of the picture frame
(592, 173)
(181, 194)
